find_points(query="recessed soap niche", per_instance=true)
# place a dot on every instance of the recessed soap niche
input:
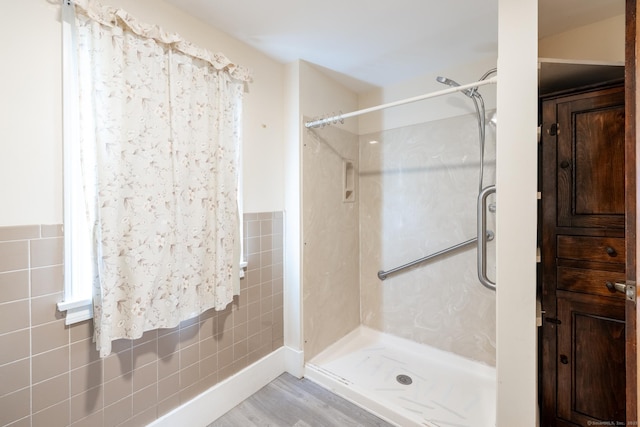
(348, 181)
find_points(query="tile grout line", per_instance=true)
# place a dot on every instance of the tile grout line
(30, 330)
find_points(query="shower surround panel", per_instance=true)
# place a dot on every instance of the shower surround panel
(418, 188)
(331, 295)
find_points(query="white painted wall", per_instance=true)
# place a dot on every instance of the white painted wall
(31, 112)
(516, 221)
(601, 41)
(293, 205)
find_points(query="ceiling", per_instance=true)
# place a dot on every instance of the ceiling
(366, 44)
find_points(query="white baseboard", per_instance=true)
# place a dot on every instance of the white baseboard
(294, 361)
(222, 397)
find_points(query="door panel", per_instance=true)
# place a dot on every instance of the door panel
(592, 248)
(599, 166)
(591, 160)
(591, 360)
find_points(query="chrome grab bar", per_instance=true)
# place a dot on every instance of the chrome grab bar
(384, 274)
(482, 243)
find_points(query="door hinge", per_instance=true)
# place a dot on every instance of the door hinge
(552, 320)
(553, 129)
(539, 134)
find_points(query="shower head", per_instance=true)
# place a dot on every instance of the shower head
(453, 83)
(447, 81)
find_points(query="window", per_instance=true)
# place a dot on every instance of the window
(78, 274)
(152, 169)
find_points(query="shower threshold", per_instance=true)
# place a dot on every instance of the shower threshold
(406, 383)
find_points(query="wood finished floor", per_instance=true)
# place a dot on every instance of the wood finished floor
(290, 402)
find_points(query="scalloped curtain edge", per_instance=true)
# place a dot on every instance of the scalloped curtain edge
(113, 17)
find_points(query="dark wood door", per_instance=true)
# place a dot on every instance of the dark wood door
(591, 160)
(584, 252)
(591, 360)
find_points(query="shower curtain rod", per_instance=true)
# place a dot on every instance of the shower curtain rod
(340, 117)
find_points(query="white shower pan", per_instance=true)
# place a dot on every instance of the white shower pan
(373, 370)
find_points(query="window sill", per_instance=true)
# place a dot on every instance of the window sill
(243, 267)
(80, 310)
(77, 311)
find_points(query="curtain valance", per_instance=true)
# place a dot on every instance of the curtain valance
(110, 16)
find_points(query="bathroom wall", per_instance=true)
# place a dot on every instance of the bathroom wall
(52, 375)
(418, 192)
(601, 41)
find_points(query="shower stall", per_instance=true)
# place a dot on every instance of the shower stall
(414, 345)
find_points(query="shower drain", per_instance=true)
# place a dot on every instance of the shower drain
(404, 379)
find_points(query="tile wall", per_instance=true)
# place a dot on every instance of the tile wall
(51, 374)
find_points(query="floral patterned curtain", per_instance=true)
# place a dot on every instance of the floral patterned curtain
(160, 131)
